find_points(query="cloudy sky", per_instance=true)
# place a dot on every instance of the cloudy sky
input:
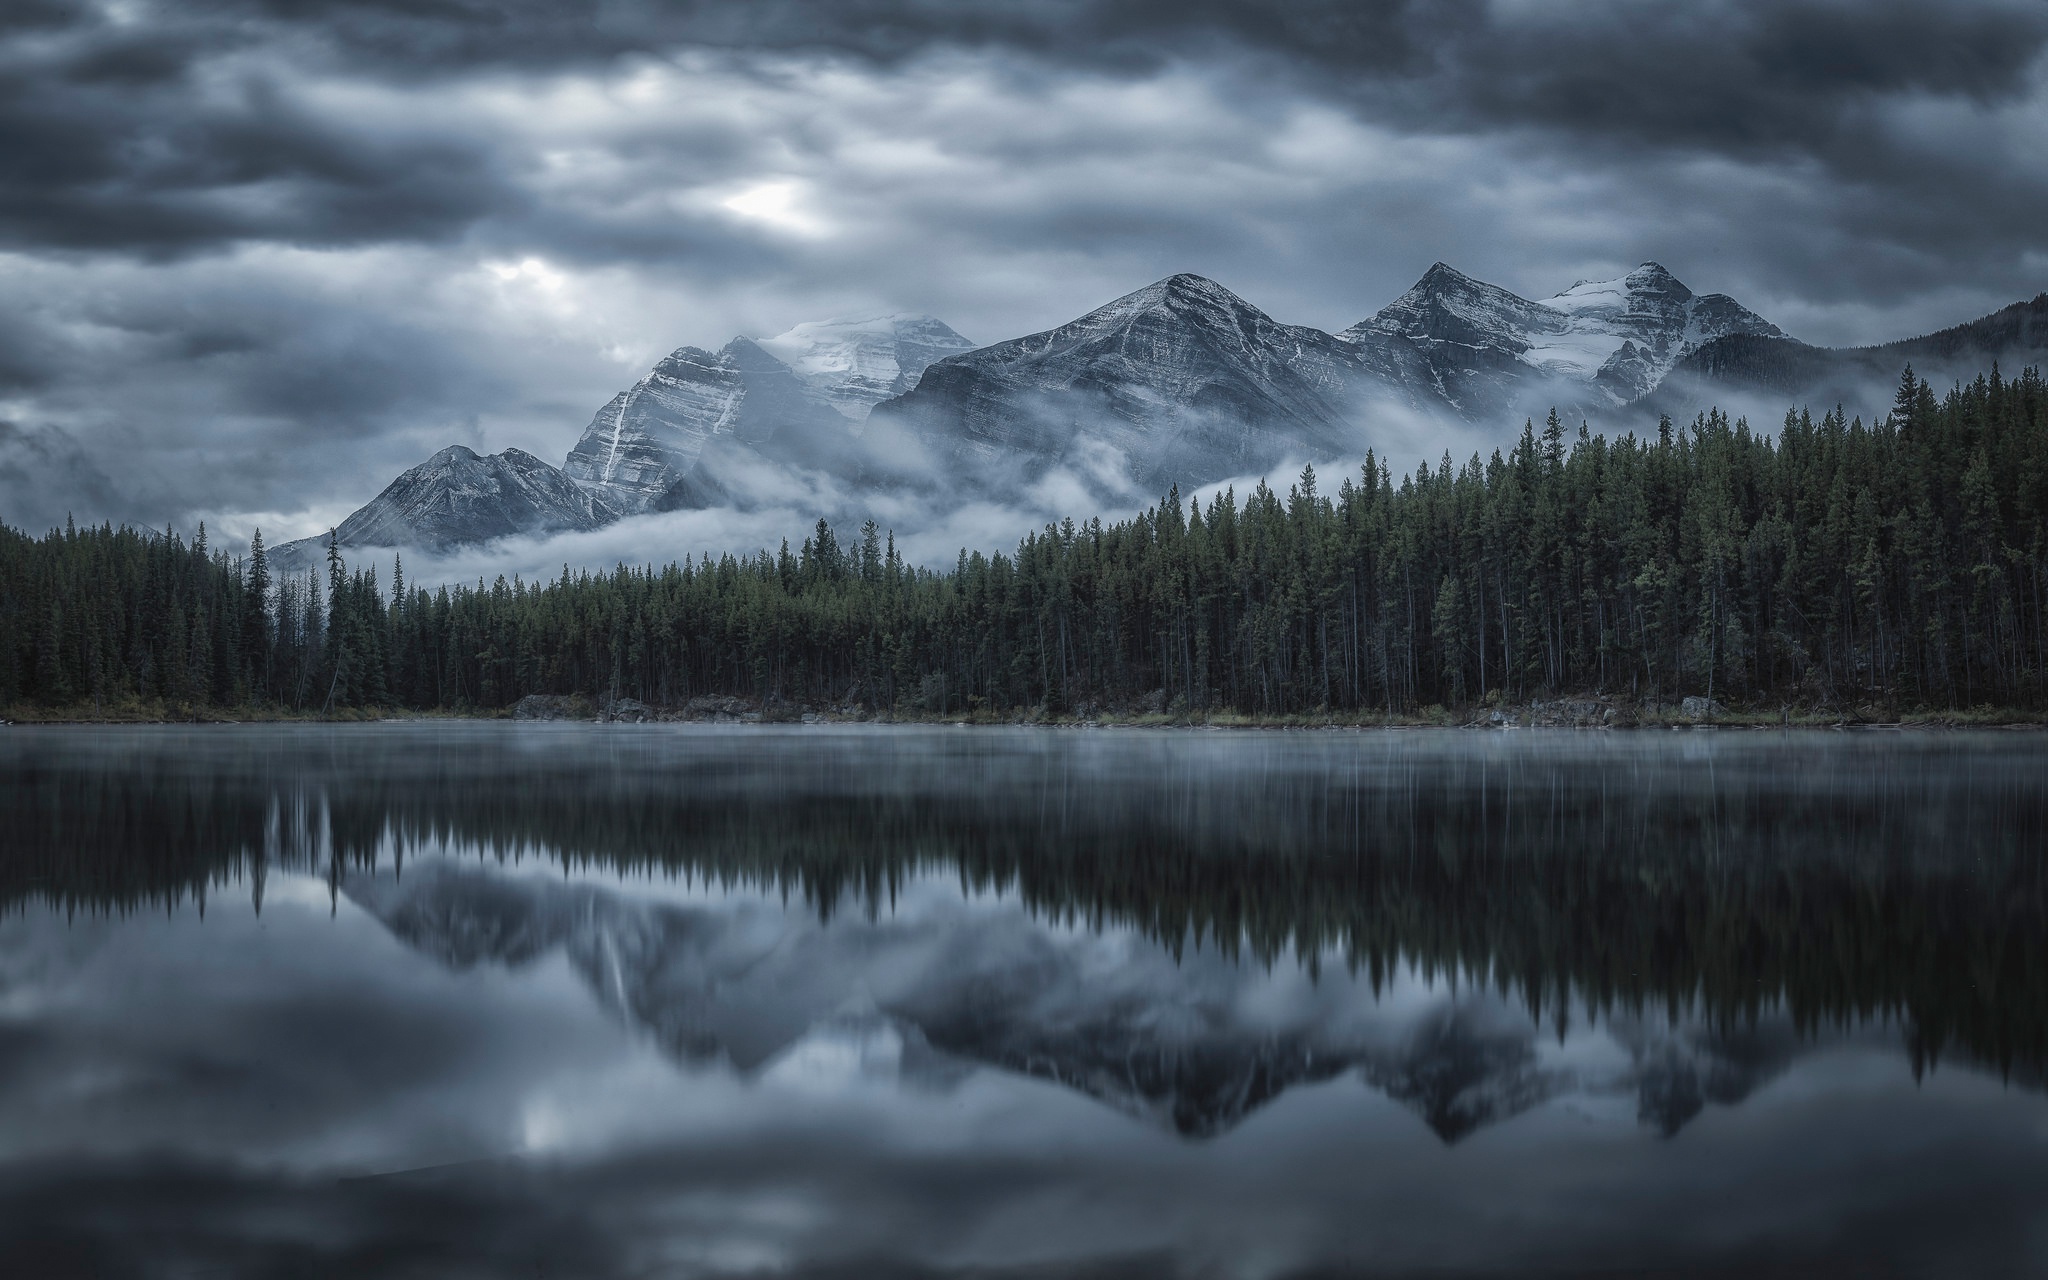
(258, 256)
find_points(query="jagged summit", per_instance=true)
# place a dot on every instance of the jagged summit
(1648, 275)
(642, 448)
(1614, 339)
(459, 497)
(1447, 305)
(660, 443)
(1181, 381)
(1177, 298)
(1783, 369)
(1187, 288)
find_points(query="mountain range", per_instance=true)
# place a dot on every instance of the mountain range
(1181, 382)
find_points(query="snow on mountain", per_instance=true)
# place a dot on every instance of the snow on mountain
(642, 449)
(1464, 339)
(796, 398)
(671, 439)
(1448, 306)
(1181, 382)
(855, 363)
(459, 497)
(1645, 323)
(1615, 338)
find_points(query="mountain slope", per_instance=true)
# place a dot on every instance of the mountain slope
(1598, 344)
(855, 363)
(1787, 370)
(642, 449)
(458, 497)
(1181, 381)
(674, 439)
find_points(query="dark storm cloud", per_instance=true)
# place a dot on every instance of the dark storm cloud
(113, 141)
(117, 143)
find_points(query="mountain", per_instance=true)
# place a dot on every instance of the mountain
(1604, 342)
(1787, 371)
(1467, 337)
(1181, 381)
(459, 497)
(855, 363)
(642, 451)
(673, 439)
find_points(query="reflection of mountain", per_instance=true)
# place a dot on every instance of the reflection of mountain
(1463, 1069)
(1680, 1075)
(1195, 1044)
(1621, 873)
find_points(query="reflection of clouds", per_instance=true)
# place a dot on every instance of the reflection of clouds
(545, 1066)
(1194, 1044)
(247, 1060)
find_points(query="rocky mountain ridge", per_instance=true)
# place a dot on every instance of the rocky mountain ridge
(1778, 367)
(1618, 338)
(662, 443)
(1180, 382)
(459, 497)
(1183, 382)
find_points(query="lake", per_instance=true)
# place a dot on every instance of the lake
(594, 1001)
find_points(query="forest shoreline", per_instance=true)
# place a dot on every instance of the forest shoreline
(1830, 573)
(1586, 711)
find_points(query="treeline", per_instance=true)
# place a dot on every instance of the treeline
(1904, 561)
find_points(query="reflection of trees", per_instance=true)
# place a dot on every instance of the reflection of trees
(1863, 896)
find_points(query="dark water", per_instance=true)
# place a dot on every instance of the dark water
(575, 1001)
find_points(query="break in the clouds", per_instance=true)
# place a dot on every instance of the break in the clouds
(258, 256)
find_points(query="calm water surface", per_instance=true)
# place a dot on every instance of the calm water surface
(583, 1001)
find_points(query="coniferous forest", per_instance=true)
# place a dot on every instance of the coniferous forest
(1829, 563)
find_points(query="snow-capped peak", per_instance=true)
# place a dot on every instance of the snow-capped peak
(1620, 335)
(1647, 288)
(854, 362)
(1447, 305)
(1179, 293)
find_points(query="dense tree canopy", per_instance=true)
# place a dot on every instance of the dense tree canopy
(1833, 561)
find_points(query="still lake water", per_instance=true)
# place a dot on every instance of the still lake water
(596, 1001)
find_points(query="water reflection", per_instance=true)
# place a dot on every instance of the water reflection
(1840, 879)
(647, 1000)
(1194, 1043)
